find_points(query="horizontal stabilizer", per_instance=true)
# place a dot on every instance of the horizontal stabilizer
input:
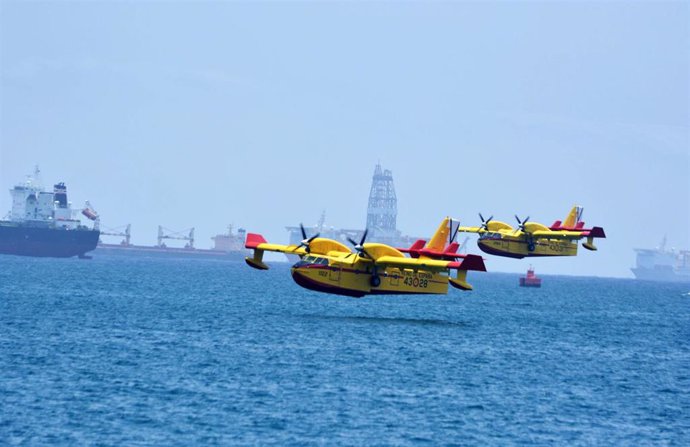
(414, 248)
(417, 249)
(597, 232)
(452, 248)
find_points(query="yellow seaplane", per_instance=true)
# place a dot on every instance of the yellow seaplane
(535, 239)
(329, 266)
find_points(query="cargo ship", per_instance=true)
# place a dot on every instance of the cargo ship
(41, 223)
(382, 214)
(227, 247)
(661, 264)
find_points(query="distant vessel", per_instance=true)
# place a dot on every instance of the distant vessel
(382, 214)
(41, 223)
(660, 264)
(227, 247)
(530, 280)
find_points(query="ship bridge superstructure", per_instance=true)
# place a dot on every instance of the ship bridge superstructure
(32, 204)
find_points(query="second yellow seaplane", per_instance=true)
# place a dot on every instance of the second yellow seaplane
(327, 265)
(535, 239)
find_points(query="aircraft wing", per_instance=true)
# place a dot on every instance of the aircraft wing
(571, 235)
(470, 262)
(479, 230)
(589, 233)
(256, 241)
(317, 246)
(259, 245)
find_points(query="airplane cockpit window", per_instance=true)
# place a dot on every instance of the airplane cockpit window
(315, 260)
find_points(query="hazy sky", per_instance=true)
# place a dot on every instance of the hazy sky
(262, 115)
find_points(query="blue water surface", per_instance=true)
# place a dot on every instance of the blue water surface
(145, 351)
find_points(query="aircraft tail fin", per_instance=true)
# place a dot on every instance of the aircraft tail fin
(574, 217)
(445, 234)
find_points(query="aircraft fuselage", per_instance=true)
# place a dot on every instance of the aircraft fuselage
(524, 247)
(357, 279)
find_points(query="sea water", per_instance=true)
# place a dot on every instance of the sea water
(151, 351)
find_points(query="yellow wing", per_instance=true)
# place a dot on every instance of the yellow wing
(416, 263)
(289, 249)
(548, 234)
(321, 246)
(494, 226)
(479, 230)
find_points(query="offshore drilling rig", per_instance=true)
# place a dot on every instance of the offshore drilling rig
(382, 216)
(382, 211)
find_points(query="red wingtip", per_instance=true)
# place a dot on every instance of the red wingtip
(597, 232)
(253, 240)
(473, 262)
(469, 262)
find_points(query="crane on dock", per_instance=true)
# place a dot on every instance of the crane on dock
(184, 235)
(126, 233)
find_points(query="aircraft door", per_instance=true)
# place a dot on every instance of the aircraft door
(394, 275)
(334, 274)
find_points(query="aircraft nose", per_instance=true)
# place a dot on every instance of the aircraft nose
(299, 275)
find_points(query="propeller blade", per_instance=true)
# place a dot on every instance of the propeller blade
(364, 236)
(313, 237)
(518, 219)
(304, 232)
(354, 243)
(485, 223)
